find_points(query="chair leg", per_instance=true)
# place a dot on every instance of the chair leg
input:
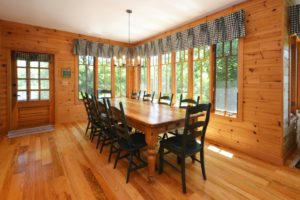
(202, 163)
(182, 162)
(161, 159)
(110, 151)
(193, 157)
(117, 158)
(129, 167)
(102, 145)
(98, 141)
(87, 127)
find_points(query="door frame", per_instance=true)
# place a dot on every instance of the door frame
(10, 89)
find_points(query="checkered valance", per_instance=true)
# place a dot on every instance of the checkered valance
(294, 19)
(41, 57)
(222, 29)
(88, 48)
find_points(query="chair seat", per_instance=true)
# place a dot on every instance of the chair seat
(138, 139)
(174, 144)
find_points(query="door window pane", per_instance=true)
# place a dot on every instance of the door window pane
(44, 84)
(22, 96)
(44, 64)
(34, 73)
(34, 95)
(44, 95)
(34, 64)
(22, 85)
(21, 72)
(44, 73)
(21, 63)
(34, 84)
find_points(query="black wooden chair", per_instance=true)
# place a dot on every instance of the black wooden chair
(136, 95)
(186, 144)
(184, 103)
(148, 97)
(129, 142)
(166, 100)
(95, 119)
(104, 94)
(87, 109)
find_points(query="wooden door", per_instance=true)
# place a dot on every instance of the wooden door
(32, 90)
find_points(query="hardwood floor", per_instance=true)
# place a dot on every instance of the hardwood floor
(64, 164)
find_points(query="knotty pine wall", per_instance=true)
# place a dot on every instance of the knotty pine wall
(15, 36)
(260, 131)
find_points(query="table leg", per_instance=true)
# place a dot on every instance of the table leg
(151, 140)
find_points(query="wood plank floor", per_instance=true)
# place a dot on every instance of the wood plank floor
(64, 164)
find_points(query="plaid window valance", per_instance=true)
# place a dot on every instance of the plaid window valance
(294, 19)
(41, 57)
(222, 29)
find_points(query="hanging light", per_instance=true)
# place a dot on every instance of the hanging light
(129, 11)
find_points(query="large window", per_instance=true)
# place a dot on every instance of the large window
(226, 78)
(181, 74)
(166, 73)
(201, 73)
(86, 75)
(154, 74)
(143, 75)
(120, 77)
(33, 80)
(104, 73)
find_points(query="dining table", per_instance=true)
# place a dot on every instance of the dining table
(152, 119)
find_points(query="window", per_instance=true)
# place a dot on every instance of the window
(201, 73)
(33, 80)
(120, 77)
(226, 78)
(181, 74)
(154, 74)
(143, 75)
(166, 73)
(86, 75)
(104, 73)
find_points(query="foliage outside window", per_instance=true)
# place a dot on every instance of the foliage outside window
(154, 74)
(33, 80)
(201, 73)
(181, 74)
(143, 75)
(120, 77)
(226, 78)
(166, 73)
(86, 75)
(104, 73)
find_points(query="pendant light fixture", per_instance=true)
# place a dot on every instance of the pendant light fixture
(129, 11)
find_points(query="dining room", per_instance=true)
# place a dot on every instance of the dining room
(149, 99)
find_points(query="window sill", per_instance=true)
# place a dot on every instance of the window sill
(220, 115)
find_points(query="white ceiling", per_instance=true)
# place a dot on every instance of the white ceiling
(107, 18)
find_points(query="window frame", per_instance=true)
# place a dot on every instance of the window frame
(181, 62)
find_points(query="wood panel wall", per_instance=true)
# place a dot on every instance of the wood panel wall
(259, 132)
(15, 36)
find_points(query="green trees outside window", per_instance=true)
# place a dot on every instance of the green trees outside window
(120, 78)
(86, 75)
(104, 73)
(154, 74)
(181, 74)
(201, 70)
(226, 77)
(166, 74)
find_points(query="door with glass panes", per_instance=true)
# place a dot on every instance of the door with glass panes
(32, 89)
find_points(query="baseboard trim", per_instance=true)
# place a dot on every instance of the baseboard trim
(30, 131)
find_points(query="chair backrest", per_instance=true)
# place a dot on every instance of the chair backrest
(136, 95)
(167, 100)
(148, 97)
(120, 125)
(196, 127)
(184, 103)
(104, 94)
(93, 108)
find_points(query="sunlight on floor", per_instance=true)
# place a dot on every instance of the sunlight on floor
(219, 151)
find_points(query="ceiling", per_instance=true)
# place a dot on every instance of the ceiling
(107, 18)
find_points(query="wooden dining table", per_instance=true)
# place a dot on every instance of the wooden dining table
(152, 119)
